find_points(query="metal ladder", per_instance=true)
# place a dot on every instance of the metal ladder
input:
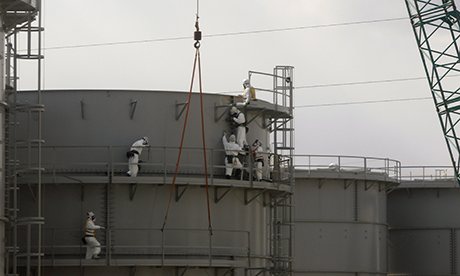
(281, 203)
(27, 253)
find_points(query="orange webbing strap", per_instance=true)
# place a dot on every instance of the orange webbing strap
(204, 145)
(173, 185)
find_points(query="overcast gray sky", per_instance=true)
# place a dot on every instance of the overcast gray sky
(408, 131)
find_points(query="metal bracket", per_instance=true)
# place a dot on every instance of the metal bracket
(181, 111)
(179, 194)
(133, 105)
(348, 183)
(132, 271)
(32, 192)
(82, 109)
(279, 126)
(255, 116)
(248, 200)
(230, 270)
(218, 197)
(181, 273)
(217, 116)
(320, 183)
(366, 186)
(132, 191)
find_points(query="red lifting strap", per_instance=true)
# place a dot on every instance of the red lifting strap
(173, 185)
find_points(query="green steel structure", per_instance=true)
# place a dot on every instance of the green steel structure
(436, 25)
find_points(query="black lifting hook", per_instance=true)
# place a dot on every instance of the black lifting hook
(197, 34)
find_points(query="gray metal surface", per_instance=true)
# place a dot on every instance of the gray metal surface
(340, 224)
(2, 149)
(87, 134)
(423, 237)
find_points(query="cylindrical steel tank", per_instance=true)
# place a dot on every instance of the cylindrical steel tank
(87, 135)
(340, 215)
(2, 147)
(424, 228)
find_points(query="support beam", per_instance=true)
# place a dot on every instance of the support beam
(180, 108)
(218, 116)
(179, 193)
(133, 105)
(248, 199)
(218, 197)
(132, 191)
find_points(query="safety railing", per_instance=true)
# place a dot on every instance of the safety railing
(427, 173)
(338, 165)
(60, 244)
(67, 161)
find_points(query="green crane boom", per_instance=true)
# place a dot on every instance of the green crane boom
(436, 25)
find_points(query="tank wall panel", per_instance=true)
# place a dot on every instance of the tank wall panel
(96, 127)
(424, 207)
(340, 227)
(420, 252)
(424, 227)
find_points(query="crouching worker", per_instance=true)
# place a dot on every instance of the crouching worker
(93, 247)
(133, 156)
(232, 149)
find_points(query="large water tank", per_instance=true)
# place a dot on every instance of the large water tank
(424, 225)
(87, 135)
(340, 214)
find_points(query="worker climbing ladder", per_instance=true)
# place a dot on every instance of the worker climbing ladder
(436, 25)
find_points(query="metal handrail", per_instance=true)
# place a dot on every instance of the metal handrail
(160, 244)
(427, 173)
(348, 163)
(110, 160)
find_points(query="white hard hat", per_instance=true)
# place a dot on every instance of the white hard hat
(146, 139)
(232, 138)
(90, 214)
(234, 110)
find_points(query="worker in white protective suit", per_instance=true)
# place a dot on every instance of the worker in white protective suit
(239, 120)
(249, 93)
(93, 247)
(257, 154)
(232, 149)
(133, 155)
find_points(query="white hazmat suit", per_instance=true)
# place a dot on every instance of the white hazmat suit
(93, 247)
(258, 159)
(232, 150)
(239, 119)
(133, 155)
(248, 93)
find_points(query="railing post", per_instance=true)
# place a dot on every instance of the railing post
(162, 247)
(54, 164)
(365, 167)
(210, 247)
(53, 235)
(109, 247)
(250, 166)
(211, 160)
(249, 248)
(164, 165)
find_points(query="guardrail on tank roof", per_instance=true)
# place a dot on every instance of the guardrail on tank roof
(343, 166)
(150, 245)
(427, 173)
(156, 161)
